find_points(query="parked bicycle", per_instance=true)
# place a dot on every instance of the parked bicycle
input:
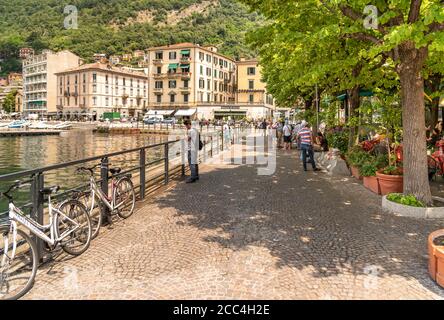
(122, 200)
(69, 226)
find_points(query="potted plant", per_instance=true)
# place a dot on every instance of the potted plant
(391, 178)
(355, 158)
(368, 172)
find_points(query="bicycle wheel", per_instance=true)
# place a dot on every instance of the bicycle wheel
(125, 198)
(94, 213)
(74, 227)
(17, 274)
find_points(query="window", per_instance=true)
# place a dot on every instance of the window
(84, 101)
(208, 97)
(173, 55)
(94, 88)
(94, 77)
(209, 72)
(159, 85)
(159, 55)
(84, 88)
(201, 70)
(67, 80)
(251, 98)
(186, 97)
(159, 98)
(201, 56)
(251, 84)
(124, 81)
(84, 78)
(107, 102)
(172, 98)
(215, 85)
(208, 58)
(251, 71)
(61, 81)
(215, 60)
(117, 101)
(172, 84)
(131, 82)
(225, 64)
(185, 83)
(106, 89)
(215, 73)
(75, 81)
(94, 101)
(159, 70)
(221, 75)
(117, 81)
(201, 84)
(106, 79)
(209, 84)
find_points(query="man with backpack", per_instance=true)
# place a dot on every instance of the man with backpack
(194, 145)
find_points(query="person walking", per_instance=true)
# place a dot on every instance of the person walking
(193, 151)
(287, 136)
(306, 138)
(279, 133)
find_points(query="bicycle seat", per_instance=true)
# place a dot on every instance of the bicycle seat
(115, 170)
(50, 190)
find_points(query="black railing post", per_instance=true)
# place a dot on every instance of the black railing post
(211, 145)
(142, 173)
(167, 163)
(104, 171)
(182, 154)
(37, 185)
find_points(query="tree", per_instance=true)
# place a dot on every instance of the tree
(406, 32)
(9, 102)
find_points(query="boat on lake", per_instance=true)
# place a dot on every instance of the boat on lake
(18, 124)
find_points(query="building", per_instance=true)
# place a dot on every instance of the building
(115, 59)
(127, 57)
(25, 53)
(93, 89)
(251, 96)
(19, 101)
(190, 78)
(40, 81)
(15, 79)
(138, 54)
(100, 57)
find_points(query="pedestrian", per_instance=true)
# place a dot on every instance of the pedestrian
(227, 135)
(287, 136)
(279, 133)
(193, 151)
(306, 137)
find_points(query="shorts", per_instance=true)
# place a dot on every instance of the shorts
(287, 139)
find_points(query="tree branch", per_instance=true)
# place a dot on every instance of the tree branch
(415, 7)
(350, 12)
(435, 26)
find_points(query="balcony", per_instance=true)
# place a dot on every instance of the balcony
(185, 89)
(157, 61)
(67, 94)
(158, 90)
(159, 75)
(185, 59)
(185, 75)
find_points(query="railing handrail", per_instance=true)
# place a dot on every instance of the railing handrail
(20, 174)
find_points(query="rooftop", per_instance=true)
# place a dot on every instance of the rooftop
(103, 67)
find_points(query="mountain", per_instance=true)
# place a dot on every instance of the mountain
(121, 26)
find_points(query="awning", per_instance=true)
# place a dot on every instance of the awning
(185, 113)
(159, 112)
(362, 93)
(173, 66)
(185, 66)
(185, 51)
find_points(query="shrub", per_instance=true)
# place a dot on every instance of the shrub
(338, 139)
(408, 200)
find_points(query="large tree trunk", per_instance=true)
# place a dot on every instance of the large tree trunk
(354, 113)
(413, 120)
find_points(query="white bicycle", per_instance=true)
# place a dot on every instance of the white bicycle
(69, 226)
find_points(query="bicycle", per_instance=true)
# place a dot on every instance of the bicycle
(122, 200)
(69, 226)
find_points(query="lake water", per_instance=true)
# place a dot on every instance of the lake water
(22, 153)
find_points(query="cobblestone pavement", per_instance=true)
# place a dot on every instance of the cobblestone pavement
(237, 235)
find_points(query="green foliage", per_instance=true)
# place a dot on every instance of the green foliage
(408, 200)
(338, 140)
(104, 28)
(9, 102)
(368, 169)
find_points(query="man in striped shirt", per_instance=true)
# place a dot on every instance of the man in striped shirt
(306, 138)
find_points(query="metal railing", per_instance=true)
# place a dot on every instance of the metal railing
(163, 168)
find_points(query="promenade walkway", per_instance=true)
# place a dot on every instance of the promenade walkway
(237, 235)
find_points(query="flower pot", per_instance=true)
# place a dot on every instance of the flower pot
(372, 184)
(390, 183)
(355, 172)
(436, 258)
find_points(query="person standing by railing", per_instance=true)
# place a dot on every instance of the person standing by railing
(193, 151)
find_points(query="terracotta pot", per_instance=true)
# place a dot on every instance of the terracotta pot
(390, 183)
(372, 184)
(436, 258)
(355, 172)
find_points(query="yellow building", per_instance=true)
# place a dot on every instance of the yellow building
(93, 89)
(195, 80)
(251, 92)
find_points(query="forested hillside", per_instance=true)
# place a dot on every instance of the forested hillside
(119, 26)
